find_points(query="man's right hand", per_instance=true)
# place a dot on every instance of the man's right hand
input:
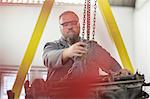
(76, 50)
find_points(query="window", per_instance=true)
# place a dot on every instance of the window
(8, 77)
(7, 84)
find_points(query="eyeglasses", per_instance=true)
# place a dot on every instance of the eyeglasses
(73, 23)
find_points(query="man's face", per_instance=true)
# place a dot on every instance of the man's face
(70, 26)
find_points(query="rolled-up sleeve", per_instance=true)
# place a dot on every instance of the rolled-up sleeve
(52, 55)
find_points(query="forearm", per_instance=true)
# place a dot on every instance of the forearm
(53, 59)
(65, 56)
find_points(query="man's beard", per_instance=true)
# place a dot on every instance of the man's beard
(72, 38)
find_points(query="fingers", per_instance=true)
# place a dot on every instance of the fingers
(81, 44)
(77, 49)
(122, 72)
(80, 52)
(78, 55)
(81, 48)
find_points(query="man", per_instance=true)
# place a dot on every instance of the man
(59, 56)
(70, 58)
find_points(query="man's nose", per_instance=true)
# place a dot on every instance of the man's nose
(70, 26)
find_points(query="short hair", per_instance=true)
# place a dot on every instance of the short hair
(68, 12)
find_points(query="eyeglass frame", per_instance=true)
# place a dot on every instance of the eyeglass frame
(73, 23)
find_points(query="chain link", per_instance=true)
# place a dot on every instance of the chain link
(68, 73)
(70, 69)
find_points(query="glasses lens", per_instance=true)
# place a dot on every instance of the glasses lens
(73, 23)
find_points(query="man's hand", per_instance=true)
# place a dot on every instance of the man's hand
(122, 72)
(76, 50)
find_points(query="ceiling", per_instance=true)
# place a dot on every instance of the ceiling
(128, 3)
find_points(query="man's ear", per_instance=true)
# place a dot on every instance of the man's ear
(78, 24)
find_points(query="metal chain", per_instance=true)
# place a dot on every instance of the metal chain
(84, 19)
(94, 21)
(68, 73)
(70, 69)
(86, 15)
(87, 8)
(82, 38)
(88, 19)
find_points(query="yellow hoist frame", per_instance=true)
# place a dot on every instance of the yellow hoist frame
(38, 30)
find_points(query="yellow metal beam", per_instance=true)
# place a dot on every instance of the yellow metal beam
(115, 33)
(31, 49)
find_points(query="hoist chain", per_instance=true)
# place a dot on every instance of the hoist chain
(77, 59)
(86, 16)
(84, 19)
(68, 73)
(88, 19)
(94, 21)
